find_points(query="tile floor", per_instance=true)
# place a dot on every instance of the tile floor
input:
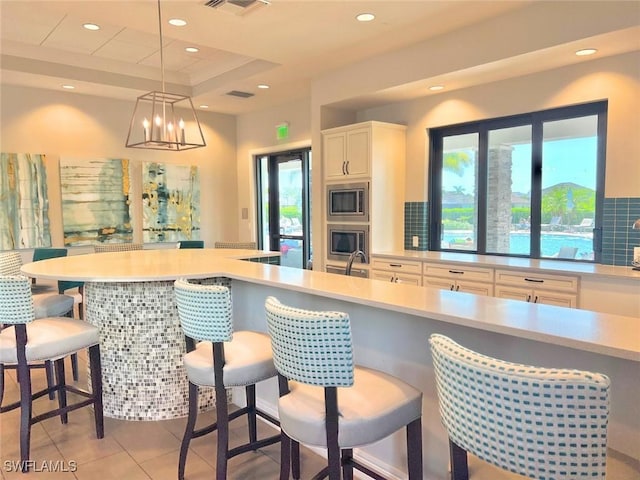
(149, 450)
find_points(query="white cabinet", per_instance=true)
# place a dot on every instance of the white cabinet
(347, 153)
(476, 280)
(396, 271)
(559, 290)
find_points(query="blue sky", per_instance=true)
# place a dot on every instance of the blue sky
(570, 160)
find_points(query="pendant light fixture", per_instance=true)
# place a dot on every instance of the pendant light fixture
(162, 120)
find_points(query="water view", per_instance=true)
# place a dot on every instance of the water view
(551, 243)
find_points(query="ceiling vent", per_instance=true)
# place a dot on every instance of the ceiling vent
(237, 7)
(238, 93)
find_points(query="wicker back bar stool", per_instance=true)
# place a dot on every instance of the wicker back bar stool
(243, 245)
(48, 339)
(221, 359)
(326, 401)
(45, 305)
(116, 247)
(547, 424)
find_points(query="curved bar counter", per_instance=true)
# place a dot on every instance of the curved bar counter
(391, 324)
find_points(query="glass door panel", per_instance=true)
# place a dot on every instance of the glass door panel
(459, 192)
(509, 191)
(569, 178)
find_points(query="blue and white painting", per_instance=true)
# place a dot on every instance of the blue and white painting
(96, 203)
(24, 202)
(170, 202)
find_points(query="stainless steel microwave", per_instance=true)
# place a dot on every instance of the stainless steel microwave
(348, 202)
(343, 239)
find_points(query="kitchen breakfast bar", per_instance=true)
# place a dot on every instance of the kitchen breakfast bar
(129, 297)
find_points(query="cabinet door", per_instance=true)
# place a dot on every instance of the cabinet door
(513, 293)
(554, 298)
(334, 149)
(358, 154)
(485, 289)
(408, 279)
(441, 283)
(382, 275)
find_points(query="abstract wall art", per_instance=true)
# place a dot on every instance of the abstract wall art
(24, 203)
(96, 201)
(170, 202)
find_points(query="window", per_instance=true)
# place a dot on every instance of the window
(529, 185)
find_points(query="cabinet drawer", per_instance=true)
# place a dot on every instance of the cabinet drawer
(400, 266)
(456, 272)
(563, 283)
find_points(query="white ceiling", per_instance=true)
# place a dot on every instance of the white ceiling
(285, 44)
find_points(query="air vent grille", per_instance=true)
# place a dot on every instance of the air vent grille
(233, 4)
(238, 93)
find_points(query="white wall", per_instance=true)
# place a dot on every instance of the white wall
(60, 124)
(257, 135)
(613, 78)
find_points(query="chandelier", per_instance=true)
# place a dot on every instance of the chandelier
(163, 120)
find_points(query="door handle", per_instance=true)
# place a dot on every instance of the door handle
(344, 165)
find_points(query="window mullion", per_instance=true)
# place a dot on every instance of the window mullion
(481, 213)
(536, 186)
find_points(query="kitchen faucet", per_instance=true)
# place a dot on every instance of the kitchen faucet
(352, 257)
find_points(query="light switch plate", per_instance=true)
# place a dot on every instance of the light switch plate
(415, 241)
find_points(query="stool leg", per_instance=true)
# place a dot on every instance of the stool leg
(295, 459)
(74, 366)
(347, 466)
(285, 456)
(61, 388)
(222, 413)
(250, 391)
(25, 414)
(414, 449)
(188, 433)
(459, 467)
(95, 365)
(48, 369)
(1, 383)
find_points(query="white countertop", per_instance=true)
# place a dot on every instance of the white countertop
(541, 266)
(606, 334)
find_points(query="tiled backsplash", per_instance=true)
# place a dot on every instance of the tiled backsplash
(618, 239)
(416, 222)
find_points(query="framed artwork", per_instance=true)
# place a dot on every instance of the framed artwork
(24, 202)
(170, 202)
(96, 203)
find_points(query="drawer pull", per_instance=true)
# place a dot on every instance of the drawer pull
(534, 280)
(457, 272)
(398, 265)
(528, 298)
(535, 300)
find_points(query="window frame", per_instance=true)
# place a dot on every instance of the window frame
(482, 127)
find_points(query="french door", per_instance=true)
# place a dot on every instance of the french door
(284, 223)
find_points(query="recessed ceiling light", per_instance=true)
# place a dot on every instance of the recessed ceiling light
(91, 26)
(263, 86)
(365, 17)
(68, 87)
(203, 106)
(435, 88)
(586, 51)
(177, 22)
(192, 49)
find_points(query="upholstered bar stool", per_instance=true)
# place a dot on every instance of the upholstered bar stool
(326, 401)
(242, 245)
(191, 244)
(47, 339)
(63, 286)
(45, 305)
(547, 424)
(117, 247)
(222, 359)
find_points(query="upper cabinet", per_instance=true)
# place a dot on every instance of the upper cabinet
(355, 151)
(347, 153)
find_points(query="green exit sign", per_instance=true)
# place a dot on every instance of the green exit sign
(282, 131)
